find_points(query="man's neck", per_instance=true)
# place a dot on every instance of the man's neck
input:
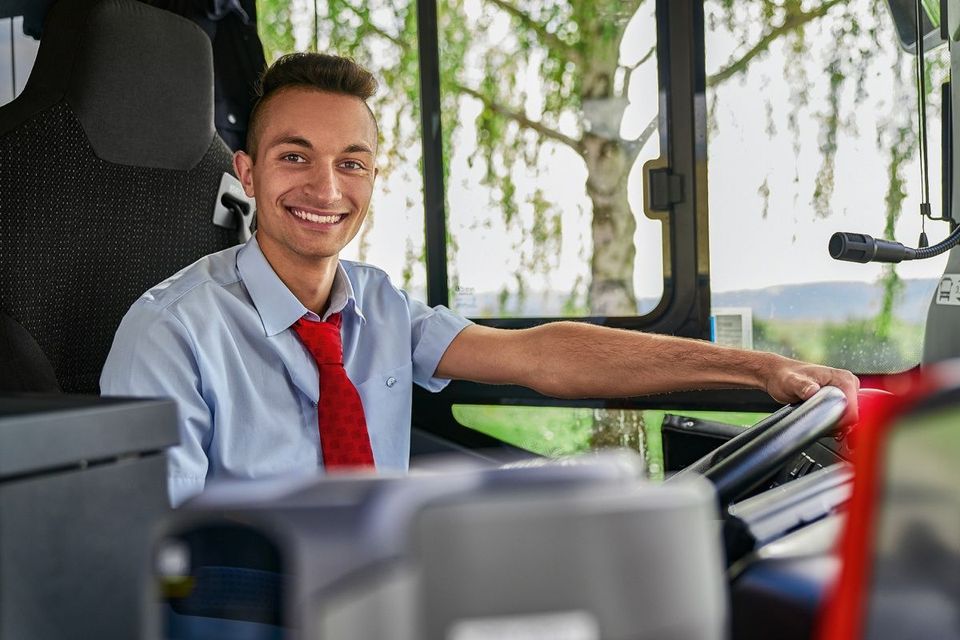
(310, 280)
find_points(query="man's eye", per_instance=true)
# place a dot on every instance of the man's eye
(352, 164)
(292, 157)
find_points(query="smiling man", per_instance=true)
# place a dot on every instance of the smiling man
(285, 359)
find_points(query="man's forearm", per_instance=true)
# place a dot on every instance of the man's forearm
(578, 360)
(570, 359)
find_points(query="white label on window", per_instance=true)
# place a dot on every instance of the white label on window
(466, 300)
(949, 290)
(571, 625)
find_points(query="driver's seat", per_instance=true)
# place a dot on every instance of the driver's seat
(109, 170)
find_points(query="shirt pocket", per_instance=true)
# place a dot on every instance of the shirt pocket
(387, 399)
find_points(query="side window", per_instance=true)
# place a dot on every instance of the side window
(17, 54)
(549, 112)
(813, 129)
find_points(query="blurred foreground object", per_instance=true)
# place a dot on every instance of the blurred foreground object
(901, 545)
(578, 551)
(82, 487)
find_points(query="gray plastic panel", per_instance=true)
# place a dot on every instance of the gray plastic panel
(42, 433)
(75, 551)
(618, 562)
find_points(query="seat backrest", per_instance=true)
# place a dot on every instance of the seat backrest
(109, 171)
(23, 365)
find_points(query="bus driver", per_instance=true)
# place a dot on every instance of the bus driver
(283, 358)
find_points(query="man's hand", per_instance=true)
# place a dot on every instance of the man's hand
(792, 381)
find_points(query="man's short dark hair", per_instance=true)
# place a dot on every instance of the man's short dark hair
(320, 71)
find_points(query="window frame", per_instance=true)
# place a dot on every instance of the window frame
(684, 309)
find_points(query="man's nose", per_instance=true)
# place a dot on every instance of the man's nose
(325, 185)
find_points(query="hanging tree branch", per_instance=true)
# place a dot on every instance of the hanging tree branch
(374, 28)
(649, 54)
(521, 119)
(550, 39)
(791, 22)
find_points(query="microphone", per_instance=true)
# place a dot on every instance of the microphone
(859, 247)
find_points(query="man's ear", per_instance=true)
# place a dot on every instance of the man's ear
(243, 167)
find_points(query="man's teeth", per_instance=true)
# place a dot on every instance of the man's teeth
(312, 217)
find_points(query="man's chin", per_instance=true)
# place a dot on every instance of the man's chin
(303, 253)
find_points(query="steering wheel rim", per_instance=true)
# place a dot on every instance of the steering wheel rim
(741, 463)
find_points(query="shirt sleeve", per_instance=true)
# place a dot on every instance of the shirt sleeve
(153, 356)
(432, 329)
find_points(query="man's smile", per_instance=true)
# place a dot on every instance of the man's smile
(317, 217)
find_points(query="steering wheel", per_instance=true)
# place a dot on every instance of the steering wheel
(743, 462)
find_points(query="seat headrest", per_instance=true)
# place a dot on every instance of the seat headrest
(139, 79)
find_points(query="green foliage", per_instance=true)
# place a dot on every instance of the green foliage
(900, 138)
(575, 304)
(858, 346)
(892, 287)
(829, 123)
(557, 431)
(617, 429)
(410, 258)
(549, 431)
(503, 300)
(766, 339)
(855, 344)
(275, 28)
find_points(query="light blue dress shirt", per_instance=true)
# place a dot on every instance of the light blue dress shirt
(216, 337)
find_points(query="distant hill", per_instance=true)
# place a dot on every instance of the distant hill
(830, 301)
(821, 301)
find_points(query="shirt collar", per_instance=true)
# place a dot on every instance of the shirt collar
(342, 297)
(275, 303)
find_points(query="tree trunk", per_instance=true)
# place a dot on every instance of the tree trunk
(608, 159)
(613, 226)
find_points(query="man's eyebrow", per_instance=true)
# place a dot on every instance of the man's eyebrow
(358, 147)
(299, 141)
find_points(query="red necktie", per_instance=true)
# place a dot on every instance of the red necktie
(343, 429)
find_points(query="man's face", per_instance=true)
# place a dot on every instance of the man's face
(312, 176)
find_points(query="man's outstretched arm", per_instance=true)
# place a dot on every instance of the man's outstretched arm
(579, 360)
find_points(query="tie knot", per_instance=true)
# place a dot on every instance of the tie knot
(322, 339)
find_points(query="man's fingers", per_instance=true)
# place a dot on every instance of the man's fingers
(852, 414)
(801, 381)
(809, 391)
(850, 385)
(843, 380)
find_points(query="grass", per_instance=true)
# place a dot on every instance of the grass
(853, 344)
(560, 431)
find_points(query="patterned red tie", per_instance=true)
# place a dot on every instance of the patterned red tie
(343, 429)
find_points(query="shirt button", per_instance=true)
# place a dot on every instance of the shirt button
(391, 381)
